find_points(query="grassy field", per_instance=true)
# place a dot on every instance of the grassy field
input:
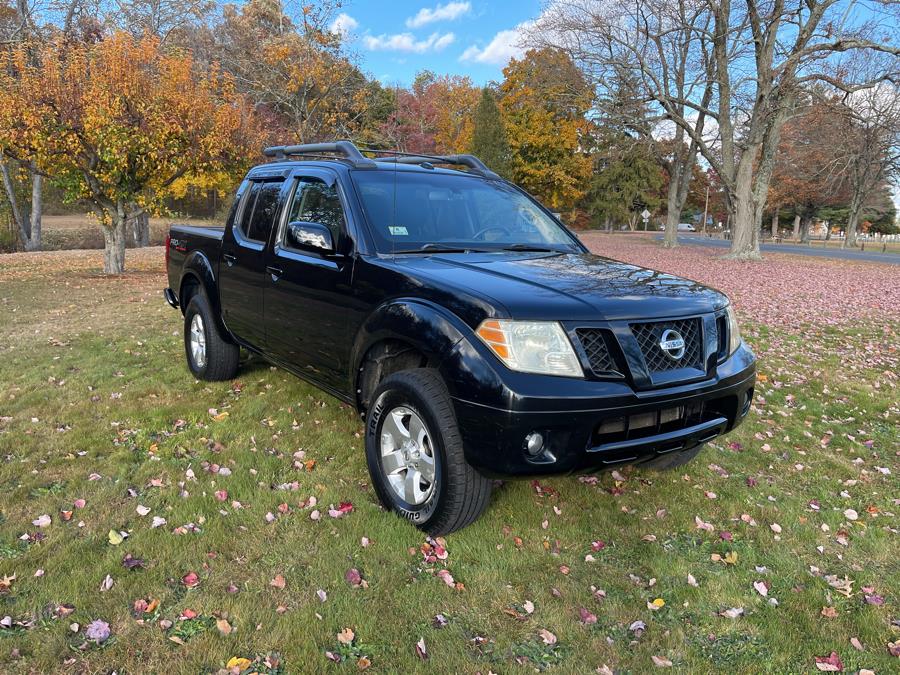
(775, 550)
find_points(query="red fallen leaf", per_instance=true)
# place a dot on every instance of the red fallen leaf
(342, 510)
(875, 599)
(189, 614)
(191, 580)
(278, 581)
(751, 481)
(283, 508)
(353, 577)
(222, 495)
(598, 545)
(735, 446)
(725, 535)
(830, 664)
(894, 648)
(587, 617)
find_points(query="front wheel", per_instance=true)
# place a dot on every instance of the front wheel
(415, 454)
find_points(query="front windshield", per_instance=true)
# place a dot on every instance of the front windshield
(434, 211)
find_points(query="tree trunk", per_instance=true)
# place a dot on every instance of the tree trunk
(775, 224)
(853, 220)
(141, 229)
(796, 226)
(745, 219)
(114, 240)
(33, 243)
(827, 231)
(805, 222)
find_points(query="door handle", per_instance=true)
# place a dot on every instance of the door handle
(276, 272)
(229, 259)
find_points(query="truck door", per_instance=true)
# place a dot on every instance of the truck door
(308, 296)
(242, 270)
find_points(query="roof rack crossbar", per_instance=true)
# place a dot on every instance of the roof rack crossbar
(470, 161)
(345, 148)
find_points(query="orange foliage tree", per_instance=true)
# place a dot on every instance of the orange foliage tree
(119, 122)
(544, 99)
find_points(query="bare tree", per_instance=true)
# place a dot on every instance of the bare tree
(870, 148)
(655, 45)
(762, 55)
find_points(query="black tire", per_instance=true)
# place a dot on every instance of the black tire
(460, 494)
(672, 460)
(222, 355)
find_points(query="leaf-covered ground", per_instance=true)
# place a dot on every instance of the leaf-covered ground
(150, 523)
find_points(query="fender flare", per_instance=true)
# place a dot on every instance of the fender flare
(198, 268)
(427, 327)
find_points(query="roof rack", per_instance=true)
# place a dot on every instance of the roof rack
(353, 154)
(345, 148)
(471, 161)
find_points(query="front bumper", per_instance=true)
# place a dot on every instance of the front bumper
(591, 425)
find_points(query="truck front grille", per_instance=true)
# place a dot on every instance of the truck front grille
(594, 344)
(649, 335)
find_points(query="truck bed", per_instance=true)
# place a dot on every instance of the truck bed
(187, 239)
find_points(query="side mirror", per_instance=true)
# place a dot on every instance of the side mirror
(306, 235)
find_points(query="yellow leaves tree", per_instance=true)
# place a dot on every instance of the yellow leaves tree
(544, 99)
(120, 123)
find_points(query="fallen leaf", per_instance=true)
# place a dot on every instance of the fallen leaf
(224, 627)
(278, 581)
(547, 637)
(661, 662)
(830, 664)
(346, 636)
(421, 652)
(42, 521)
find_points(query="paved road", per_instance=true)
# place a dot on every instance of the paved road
(818, 251)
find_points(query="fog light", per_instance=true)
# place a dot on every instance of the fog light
(534, 443)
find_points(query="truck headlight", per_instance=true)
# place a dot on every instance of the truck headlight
(531, 346)
(734, 331)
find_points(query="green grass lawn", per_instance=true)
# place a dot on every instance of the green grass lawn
(631, 570)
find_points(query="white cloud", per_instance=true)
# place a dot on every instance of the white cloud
(448, 12)
(344, 24)
(505, 45)
(406, 42)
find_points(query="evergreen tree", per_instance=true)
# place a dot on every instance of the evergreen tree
(489, 138)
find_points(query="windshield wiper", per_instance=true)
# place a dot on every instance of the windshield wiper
(530, 247)
(440, 248)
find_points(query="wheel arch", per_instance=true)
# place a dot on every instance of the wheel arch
(197, 275)
(404, 333)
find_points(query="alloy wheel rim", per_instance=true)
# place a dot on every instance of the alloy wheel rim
(198, 341)
(407, 456)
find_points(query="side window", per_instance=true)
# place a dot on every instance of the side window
(316, 202)
(247, 209)
(260, 210)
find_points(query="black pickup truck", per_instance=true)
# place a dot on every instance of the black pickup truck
(475, 334)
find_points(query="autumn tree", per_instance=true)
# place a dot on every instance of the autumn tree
(488, 136)
(118, 122)
(806, 171)
(544, 102)
(434, 115)
(295, 68)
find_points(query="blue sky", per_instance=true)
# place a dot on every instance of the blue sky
(395, 40)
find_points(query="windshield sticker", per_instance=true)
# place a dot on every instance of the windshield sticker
(398, 230)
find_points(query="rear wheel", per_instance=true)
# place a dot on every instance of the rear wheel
(209, 355)
(415, 454)
(672, 460)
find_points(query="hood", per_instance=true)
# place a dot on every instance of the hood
(566, 286)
